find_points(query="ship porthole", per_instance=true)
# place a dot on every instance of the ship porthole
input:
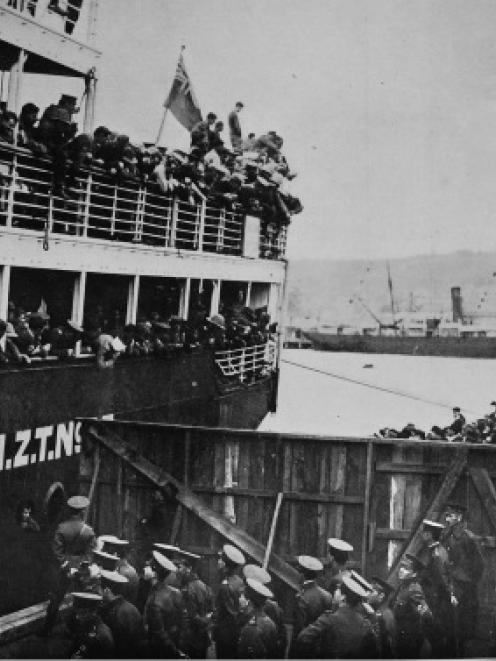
(54, 501)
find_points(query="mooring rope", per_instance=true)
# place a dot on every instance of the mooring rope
(391, 391)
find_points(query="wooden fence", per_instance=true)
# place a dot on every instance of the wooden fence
(199, 486)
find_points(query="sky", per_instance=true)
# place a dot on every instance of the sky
(387, 108)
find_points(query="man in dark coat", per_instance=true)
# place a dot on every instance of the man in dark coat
(312, 600)
(199, 602)
(411, 611)
(258, 638)
(344, 634)
(466, 567)
(120, 548)
(165, 615)
(229, 602)
(338, 552)
(200, 133)
(438, 589)
(386, 623)
(123, 619)
(235, 127)
(73, 543)
(92, 638)
(457, 425)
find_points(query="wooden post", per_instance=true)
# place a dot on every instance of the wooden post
(272, 532)
(4, 290)
(132, 299)
(485, 488)
(96, 470)
(366, 504)
(178, 516)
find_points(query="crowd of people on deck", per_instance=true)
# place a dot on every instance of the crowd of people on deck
(248, 177)
(150, 599)
(28, 336)
(481, 430)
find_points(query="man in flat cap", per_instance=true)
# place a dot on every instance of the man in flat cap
(258, 638)
(436, 583)
(411, 611)
(123, 618)
(199, 602)
(73, 543)
(165, 615)
(344, 634)
(466, 568)
(228, 602)
(312, 600)
(92, 638)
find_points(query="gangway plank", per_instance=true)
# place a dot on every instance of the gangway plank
(164, 480)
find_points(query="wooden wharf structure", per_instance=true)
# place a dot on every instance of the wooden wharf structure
(276, 496)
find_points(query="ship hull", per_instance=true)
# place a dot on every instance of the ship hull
(473, 347)
(40, 440)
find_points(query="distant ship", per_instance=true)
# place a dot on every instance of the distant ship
(418, 335)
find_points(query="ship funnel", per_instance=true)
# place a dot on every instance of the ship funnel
(456, 304)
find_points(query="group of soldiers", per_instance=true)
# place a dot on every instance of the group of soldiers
(481, 430)
(165, 610)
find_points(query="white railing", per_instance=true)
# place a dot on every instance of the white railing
(248, 362)
(100, 207)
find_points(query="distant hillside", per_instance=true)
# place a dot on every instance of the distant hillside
(324, 288)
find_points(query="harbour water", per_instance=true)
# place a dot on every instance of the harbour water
(355, 400)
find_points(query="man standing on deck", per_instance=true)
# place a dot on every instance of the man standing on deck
(73, 544)
(235, 127)
(457, 425)
(466, 567)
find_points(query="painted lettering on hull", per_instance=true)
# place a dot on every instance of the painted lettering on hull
(33, 446)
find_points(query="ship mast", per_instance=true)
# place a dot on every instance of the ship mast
(391, 296)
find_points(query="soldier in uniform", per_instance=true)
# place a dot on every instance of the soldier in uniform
(235, 128)
(436, 583)
(411, 611)
(165, 615)
(92, 638)
(385, 622)
(457, 425)
(344, 634)
(123, 618)
(200, 133)
(312, 600)
(271, 607)
(466, 567)
(199, 602)
(258, 638)
(228, 602)
(73, 543)
(120, 548)
(339, 554)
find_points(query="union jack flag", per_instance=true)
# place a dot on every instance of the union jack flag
(182, 100)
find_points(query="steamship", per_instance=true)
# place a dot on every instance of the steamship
(418, 335)
(51, 249)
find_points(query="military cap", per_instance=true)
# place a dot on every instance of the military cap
(258, 573)
(259, 588)
(86, 599)
(163, 562)
(67, 98)
(350, 585)
(106, 561)
(115, 545)
(493, 403)
(310, 563)
(384, 585)
(217, 320)
(340, 545)
(456, 409)
(105, 539)
(29, 107)
(112, 577)
(78, 502)
(233, 555)
(427, 523)
(361, 580)
(166, 549)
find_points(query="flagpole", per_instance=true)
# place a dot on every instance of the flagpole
(166, 110)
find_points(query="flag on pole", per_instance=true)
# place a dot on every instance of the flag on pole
(182, 101)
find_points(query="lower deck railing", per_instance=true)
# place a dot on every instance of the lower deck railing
(248, 362)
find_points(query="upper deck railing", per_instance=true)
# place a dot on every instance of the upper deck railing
(100, 207)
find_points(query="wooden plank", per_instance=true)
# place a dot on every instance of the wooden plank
(435, 508)
(186, 497)
(366, 505)
(396, 504)
(297, 485)
(337, 488)
(288, 495)
(94, 478)
(322, 509)
(486, 491)
(395, 467)
(272, 533)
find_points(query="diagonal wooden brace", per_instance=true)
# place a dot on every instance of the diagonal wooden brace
(162, 479)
